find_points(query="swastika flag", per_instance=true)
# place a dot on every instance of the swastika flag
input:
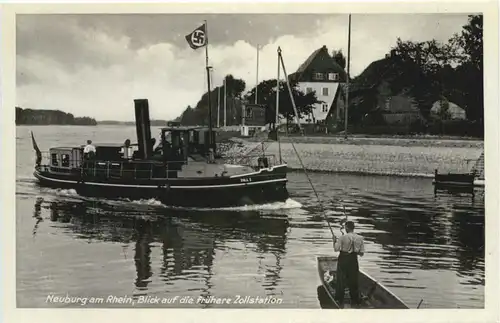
(198, 38)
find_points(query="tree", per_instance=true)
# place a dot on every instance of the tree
(471, 69)
(189, 117)
(455, 69)
(199, 114)
(430, 55)
(267, 96)
(339, 58)
(471, 40)
(235, 87)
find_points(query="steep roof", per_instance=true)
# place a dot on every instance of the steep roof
(388, 69)
(308, 61)
(319, 59)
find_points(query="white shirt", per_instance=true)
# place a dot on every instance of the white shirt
(89, 148)
(127, 152)
(350, 242)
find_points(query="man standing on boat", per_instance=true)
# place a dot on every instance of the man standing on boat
(350, 246)
(89, 150)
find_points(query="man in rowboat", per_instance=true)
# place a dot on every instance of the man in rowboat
(350, 246)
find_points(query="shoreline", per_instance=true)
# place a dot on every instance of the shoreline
(421, 141)
(358, 173)
(373, 157)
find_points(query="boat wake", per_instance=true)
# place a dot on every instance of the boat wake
(275, 206)
(288, 204)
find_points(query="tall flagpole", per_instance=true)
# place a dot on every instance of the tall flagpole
(225, 85)
(348, 76)
(210, 143)
(218, 107)
(257, 75)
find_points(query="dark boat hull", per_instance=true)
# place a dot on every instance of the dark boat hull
(373, 294)
(254, 188)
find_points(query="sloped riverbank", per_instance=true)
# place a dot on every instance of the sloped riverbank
(383, 156)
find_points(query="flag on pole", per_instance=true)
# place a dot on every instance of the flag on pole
(37, 150)
(198, 38)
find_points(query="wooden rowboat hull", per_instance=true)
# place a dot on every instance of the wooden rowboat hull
(373, 294)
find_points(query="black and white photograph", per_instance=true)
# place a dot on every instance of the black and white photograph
(200, 159)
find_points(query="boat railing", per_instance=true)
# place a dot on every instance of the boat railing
(252, 160)
(129, 168)
(139, 169)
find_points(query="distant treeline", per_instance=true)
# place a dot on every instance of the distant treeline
(50, 117)
(154, 123)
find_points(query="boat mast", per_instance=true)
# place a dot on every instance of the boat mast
(348, 76)
(276, 122)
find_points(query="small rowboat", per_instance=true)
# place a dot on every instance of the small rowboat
(373, 294)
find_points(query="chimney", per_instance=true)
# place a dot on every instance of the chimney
(143, 128)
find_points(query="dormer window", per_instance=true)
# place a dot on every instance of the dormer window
(333, 76)
(318, 76)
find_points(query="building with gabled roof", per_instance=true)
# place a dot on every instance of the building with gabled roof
(322, 74)
(385, 88)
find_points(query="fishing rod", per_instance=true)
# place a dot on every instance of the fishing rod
(280, 58)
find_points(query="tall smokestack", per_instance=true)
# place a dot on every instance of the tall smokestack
(143, 127)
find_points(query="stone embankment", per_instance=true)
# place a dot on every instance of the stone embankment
(363, 155)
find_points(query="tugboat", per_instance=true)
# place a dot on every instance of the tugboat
(183, 170)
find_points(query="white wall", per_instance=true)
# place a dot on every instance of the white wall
(327, 99)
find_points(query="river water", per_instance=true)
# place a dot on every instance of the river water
(419, 245)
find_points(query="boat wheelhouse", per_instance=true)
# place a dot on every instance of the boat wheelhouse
(183, 169)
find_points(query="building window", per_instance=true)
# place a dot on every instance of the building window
(318, 76)
(309, 90)
(324, 107)
(54, 161)
(325, 91)
(333, 76)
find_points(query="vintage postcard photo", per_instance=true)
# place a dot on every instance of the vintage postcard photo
(243, 158)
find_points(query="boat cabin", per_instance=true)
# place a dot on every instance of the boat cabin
(65, 159)
(182, 143)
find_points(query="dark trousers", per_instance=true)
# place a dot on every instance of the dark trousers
(347, 275)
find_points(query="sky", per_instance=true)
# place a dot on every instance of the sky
(96, 64)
